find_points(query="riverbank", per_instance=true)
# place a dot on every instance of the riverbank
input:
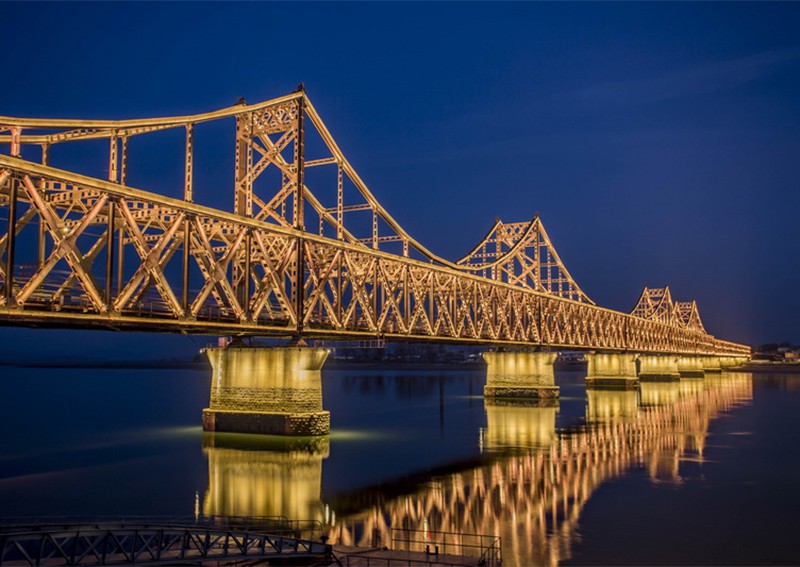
(112, 364)
(770, 367)
(338, 364)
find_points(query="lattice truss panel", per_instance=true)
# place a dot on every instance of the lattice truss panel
(109, 251)
(307, 250)
(656, 304)
(522, 254)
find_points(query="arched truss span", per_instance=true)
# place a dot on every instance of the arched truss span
(656, 304)
(271, 137)
(522, 254)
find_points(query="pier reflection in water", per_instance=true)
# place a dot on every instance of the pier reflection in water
(252, 475)
(529, 484)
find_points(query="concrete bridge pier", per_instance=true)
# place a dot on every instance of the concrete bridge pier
(614, 371)
(658, 368)
(274, 390)
(520, 375)
(691, 367)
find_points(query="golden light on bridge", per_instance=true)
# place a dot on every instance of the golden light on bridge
(288, 260)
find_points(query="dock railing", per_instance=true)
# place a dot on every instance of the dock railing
(482, 546)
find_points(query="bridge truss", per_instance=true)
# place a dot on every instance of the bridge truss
(306, 251)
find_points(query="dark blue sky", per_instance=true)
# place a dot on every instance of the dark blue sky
(660, 143)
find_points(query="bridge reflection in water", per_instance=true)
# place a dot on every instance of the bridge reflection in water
(528, 486)
(256, 475)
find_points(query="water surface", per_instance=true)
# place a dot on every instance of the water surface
(694, 472)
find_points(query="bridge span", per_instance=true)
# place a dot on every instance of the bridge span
(306, 250)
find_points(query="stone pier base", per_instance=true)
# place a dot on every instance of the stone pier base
(658, 368)
(520, 375)
(691, 367)
(275, 391)
(615, 371)
(293, 424)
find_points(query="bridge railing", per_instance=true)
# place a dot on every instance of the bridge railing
(98, 543)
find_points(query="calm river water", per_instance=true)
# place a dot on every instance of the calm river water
(695, 472)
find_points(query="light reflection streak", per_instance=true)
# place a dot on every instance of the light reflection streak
(530, 489)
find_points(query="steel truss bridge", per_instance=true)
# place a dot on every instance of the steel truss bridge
(306, 251)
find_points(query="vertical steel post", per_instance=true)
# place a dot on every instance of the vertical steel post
(123, 162)
(113, 150)
(431, 301)
(496, 271)
(406, 299)
(339, 289)
(243, 189)
(12, 237)
(42, 247)
(299, 220)
(537, 272)
(339, 202)
(120, 259)
(475, 308)
(244, 299)
(375, 302)
(453, 303)
(187, 243)
(189, 163)
(188, 195)
(113, 176)
(110, 253)
(284, 181)
(244, 193)
(374, 230)
(16, 145)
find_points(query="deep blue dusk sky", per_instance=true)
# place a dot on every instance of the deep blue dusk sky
(660, 143)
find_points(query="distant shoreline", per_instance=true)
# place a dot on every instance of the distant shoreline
(401, 365)
(334, 364)
(118, 364)
(770, 367)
